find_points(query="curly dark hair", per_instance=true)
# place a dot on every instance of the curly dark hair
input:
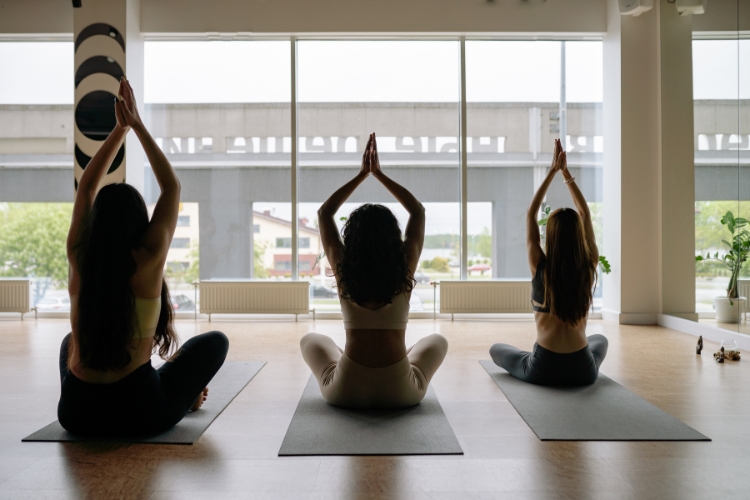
(372, 266)
(106, 303)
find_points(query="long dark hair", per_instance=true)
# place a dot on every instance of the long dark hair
(106, 303)
(373, 267)
(570, 270)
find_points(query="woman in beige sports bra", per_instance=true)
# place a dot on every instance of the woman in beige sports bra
(374, 269)
(120, 307)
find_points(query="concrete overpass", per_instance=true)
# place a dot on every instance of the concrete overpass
(229, 156)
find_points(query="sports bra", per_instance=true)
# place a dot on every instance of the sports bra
(393, 316)
(147, 312)
(537, 288)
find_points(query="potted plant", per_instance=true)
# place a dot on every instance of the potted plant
(729, 308)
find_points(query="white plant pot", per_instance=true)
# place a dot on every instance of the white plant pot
(729, 310)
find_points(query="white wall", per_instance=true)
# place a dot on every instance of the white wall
(723, 15)
(36, 16)
(335, 16)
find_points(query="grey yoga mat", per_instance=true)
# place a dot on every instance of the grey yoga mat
(225, 386)
(318, 428)
(603, 411)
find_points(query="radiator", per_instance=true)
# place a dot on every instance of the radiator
(14, 295)
(254, 297)
(485, 297)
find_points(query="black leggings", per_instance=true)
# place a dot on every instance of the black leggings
(544, 367)
(146, 401)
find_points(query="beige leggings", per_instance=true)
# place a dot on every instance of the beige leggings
(350, 385)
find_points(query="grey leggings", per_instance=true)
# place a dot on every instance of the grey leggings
(544, 367)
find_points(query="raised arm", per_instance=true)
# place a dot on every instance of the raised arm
(414, 233)
(91, 182)
(583, 210)
(533, 240)
(329, 232)
(160, 230)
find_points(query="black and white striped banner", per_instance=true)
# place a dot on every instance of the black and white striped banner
(99, 64)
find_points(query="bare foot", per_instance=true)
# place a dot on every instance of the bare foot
(200, 400)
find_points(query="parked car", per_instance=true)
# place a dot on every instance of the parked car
(56, 304)
(422, 278)
(182, 303)
(322, 292)
(480, 267)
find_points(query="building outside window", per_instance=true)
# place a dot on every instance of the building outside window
(287, 243)
(180, 243)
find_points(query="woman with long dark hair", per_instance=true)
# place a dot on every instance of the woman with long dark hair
(121, 311)
(564, 276)
(374, 271)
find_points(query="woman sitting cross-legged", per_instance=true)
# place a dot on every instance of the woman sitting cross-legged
(374, 270)
(563, 278)
(120, 307)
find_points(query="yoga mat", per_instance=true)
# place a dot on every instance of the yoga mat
(603, 411)
(225, 386)
(318, 428)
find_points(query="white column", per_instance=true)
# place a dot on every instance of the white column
(648, 166)
(631, 167)
(108, 44)
(677, 164)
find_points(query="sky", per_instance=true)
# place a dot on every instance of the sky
(360, 71)
(328, 71)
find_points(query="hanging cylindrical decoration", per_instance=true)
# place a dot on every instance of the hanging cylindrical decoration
(99, 64)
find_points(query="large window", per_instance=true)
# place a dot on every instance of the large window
(222, 112)
(721, 72)
(36, 179)
(407, 92)
(515, 111)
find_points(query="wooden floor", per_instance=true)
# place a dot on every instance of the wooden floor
(236, 457)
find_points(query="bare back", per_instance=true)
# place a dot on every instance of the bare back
(151, 253)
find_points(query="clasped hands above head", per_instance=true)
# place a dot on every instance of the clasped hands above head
(370, 160)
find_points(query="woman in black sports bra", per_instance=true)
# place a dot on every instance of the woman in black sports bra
(564, 275)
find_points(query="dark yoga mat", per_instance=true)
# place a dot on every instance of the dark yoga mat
(225, 386)
(603, 411)
(318, 428)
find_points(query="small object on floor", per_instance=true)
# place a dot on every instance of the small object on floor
(732, 355)
(723, 354)
(699, 346)
(720, 355)
(731, 350)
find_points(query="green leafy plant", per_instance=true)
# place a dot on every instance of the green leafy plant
(438, 264)
(545, 216)
(604, 265)
(32, 243)
(739, 248)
